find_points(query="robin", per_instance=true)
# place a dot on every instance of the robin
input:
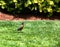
(21, 26)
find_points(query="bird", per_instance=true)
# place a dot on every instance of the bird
(21, 27)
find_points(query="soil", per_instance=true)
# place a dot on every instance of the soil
(28, 16)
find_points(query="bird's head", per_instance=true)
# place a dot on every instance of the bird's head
(22, 23)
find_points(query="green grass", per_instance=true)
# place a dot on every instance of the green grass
(35, 34)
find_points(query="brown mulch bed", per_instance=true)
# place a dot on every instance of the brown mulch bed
(5, 16)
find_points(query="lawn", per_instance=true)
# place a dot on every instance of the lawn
(35, 34)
